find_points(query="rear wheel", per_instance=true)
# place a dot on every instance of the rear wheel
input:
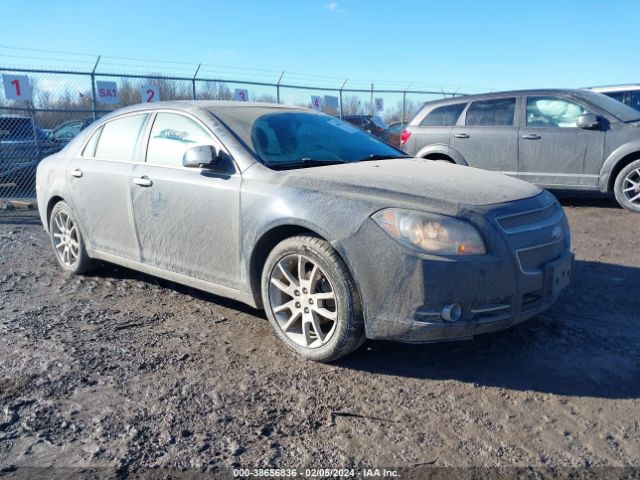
(627, 187)
(311, 300)
(67, 241)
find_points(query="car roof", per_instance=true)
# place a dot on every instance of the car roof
(10, 115)
(206, 105)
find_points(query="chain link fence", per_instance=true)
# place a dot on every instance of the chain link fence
(41, 110)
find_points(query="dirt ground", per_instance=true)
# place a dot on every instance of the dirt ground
(125, 371)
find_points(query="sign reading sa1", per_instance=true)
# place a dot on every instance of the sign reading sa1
(241, 95)
(17, 87)
(107, 92)
(379, 104)
(150, 94)
(317, 102)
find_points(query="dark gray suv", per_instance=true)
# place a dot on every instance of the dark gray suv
(563, 139)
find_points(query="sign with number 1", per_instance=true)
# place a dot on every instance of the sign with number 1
(17, 87)
(150, 94)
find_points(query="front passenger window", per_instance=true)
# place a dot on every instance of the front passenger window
(552, 112)
(171, 136)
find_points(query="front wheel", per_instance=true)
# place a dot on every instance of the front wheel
(311, 299)
(67, 241)
(627, 187)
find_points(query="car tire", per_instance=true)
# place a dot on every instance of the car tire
(66, 239)
(306, 289)
(628, 179)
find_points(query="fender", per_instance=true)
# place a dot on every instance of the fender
(442, 149)
(613, 159)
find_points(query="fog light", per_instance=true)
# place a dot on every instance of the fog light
(451, 313)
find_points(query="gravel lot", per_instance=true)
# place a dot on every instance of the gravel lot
(122, 370)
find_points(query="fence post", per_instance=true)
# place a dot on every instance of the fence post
(404, 105)
(373, 107)
(93, 88)
(278, 87)
(193, 82)
(341, 88)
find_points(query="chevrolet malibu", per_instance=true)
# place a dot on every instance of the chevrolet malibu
(337, 235)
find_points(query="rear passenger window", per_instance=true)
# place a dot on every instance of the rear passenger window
(119, 138)
(446, 116)
(491, 113)
(171, 136)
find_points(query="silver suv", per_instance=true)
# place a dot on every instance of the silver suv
(563, 139)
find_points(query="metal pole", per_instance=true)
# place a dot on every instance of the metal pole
(404, 105)
(193, 82)
(373, 108)
(93, 88)
(278, 87)
(343, 84)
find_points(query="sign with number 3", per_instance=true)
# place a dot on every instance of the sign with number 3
(150, 94)
(17, 87)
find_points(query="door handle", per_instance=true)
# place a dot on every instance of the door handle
(76, 173)
(461, 135)
(142, 181)
(531, 136)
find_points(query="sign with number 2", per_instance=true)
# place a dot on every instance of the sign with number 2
(17, 87)
(150, 94)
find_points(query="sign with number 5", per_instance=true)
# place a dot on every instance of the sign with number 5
(241, 95)
(150, 94)
(17, 87)
(379, 104)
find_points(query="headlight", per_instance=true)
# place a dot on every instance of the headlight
(430, 232)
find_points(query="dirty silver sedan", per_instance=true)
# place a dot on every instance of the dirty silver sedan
(338, 236)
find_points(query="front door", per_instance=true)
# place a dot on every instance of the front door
(187, 219)
(553, 151)
(99, 186)
(488, 138)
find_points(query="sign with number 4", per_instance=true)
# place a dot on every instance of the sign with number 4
(17, 87)
(150, 94)
(241, 95)
(317, 102)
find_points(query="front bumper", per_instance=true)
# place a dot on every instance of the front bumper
(527, 267)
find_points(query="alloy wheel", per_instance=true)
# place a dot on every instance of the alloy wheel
(303, 301)
(66, 239)
(631, 187)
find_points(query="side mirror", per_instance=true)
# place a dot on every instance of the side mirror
(588, 121)
(200, 156)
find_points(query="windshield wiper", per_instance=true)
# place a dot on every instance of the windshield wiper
(381, 157)
(305, 162)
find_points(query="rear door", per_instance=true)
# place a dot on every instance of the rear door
(487, 135)
(553, 151)
(434, 128)
(99, 185)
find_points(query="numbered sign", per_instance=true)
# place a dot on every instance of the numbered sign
(379, 104)
(317, 102)
(241, 95)
(17, 87)
(150, 94)
(107, 92)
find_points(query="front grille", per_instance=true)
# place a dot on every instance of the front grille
(520, 220)
(534, 258)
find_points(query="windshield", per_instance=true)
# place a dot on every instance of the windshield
(619, 110)
(287, 137)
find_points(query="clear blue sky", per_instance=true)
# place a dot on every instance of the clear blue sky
(472, 44)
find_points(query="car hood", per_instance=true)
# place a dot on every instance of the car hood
(416, 181)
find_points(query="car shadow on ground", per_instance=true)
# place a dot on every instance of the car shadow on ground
(587, 344)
